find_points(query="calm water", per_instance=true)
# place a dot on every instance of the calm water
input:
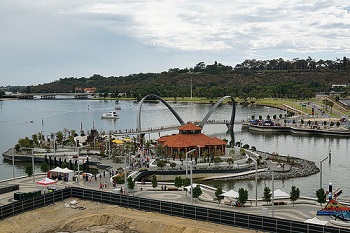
(20, 118)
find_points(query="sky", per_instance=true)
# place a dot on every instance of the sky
(44, 40)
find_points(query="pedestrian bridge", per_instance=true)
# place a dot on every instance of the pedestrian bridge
(168, 128)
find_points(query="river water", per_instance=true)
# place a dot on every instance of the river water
(21, 118)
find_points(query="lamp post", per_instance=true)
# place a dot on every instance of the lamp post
(273, 193)
(13, 163)
(187, 160)
(240, 143)
(256, 181)
(199, 152)
(321, 170)
(32, 149)
(125, 174)
(191, 185)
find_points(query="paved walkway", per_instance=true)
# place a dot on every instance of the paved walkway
(302, 210)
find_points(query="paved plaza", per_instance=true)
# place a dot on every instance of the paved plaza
(302, 210)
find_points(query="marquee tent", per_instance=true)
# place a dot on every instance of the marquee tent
(316, 221)
(46, 181)
(232, 193)
(188, 188)
(63, 172)
(280, 194)
(57, 169)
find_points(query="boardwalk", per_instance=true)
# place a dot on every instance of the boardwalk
(169, 128)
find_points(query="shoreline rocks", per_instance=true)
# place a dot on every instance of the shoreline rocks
(299, 168)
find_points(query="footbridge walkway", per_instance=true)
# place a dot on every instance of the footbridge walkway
(169, 128)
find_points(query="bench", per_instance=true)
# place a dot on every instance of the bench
(172, 189)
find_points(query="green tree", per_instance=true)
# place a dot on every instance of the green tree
(161, 164)
(172, 165)
(294, 194)
(267, 194)
(186, 182)
(17, 147)
(242, 151)
(218, 193)
(131, 183)
(321, 196)
(2, 93)
(154, 181)
(232, 152)
(44, 167)
(25, 142)
(217, 160)
(178, 182)
(35, 139)
(29, 170)
(59, 137)
(242, 196)
(197, 191)
(230, 161)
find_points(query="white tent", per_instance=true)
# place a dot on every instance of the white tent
(57, 169)
(316, 221)
(280, 194)
(69, 172)
(188, 188)
(232, 193)
(62, 172)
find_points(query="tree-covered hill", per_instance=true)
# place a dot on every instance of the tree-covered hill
(252, 78)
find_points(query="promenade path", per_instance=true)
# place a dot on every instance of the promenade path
(303, 209)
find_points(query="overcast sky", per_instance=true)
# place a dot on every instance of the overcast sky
(45, 40)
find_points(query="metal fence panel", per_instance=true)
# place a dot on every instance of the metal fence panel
(175, 209)
(178, 209)
(166, 208)
(202, 213)
(295, 226)
(241, 220)
(190, 211)
(134, 203)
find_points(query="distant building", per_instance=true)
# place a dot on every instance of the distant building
(340, 85)
(190, 137)
(90, 90)
(85, 90)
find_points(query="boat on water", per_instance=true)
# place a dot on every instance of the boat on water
(118, 108)
(110, 115)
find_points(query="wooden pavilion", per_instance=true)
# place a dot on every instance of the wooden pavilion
(190, 137)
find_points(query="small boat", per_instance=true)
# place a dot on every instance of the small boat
(118, 108)
(110, 115)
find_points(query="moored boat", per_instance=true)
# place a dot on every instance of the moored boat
(110, 115)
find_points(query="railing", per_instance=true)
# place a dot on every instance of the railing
(199, 213)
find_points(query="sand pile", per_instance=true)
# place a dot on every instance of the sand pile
(86, 216)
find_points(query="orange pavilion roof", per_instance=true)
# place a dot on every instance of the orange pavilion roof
(190, 140)
(189, 126)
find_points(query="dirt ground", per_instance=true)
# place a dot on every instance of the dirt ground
(86, 216)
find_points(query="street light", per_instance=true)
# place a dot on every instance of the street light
(191, 184)
(256, 179)
(32, 149)
(321, 170)
(187, 160)
(240, 143)
(199, 152)
(273, 193)
(13, 164)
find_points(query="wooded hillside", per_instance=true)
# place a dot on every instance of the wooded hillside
(252, 78)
